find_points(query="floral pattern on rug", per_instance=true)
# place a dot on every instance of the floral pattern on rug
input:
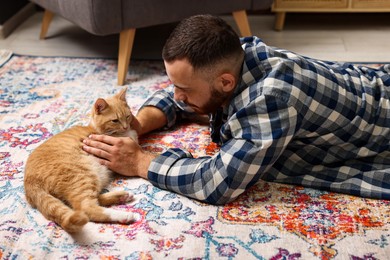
(320, 218)
(40, 97)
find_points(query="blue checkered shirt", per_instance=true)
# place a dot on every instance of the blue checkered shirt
(292, 120)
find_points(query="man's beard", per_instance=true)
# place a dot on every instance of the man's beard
(217, 99)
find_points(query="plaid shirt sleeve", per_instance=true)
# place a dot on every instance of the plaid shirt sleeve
(257, 136)
(163, 100)
(173, 110)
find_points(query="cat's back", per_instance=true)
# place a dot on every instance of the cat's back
(67, 142)
(62, 148)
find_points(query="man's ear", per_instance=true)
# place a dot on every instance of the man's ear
(227, 82)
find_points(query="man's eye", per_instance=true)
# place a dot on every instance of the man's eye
(179, 88)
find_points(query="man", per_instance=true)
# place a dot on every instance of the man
(284, 117)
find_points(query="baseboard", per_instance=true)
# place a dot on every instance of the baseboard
(7, 28)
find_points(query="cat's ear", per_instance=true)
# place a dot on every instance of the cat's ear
(100, 105)
(122, 94)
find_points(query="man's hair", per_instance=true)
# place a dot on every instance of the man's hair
(204, 40)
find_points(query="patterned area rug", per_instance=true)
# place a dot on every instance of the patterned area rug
(40, 97)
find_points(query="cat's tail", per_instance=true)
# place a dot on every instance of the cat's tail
(55, 210)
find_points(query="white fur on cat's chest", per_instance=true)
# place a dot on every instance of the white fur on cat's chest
(132, 134)
(101, 171)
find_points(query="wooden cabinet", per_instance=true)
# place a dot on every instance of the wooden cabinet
(13, 13)
(9, 8)
(281, 7)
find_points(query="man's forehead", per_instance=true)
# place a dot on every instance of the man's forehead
(179, 72)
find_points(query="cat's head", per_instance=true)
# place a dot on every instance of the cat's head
(112, 116)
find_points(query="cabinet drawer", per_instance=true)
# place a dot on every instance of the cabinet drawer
(370, 4)
(308, 4)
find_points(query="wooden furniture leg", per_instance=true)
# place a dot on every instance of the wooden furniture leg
(46, 20)
(279, 21)
(126, 40)
(242, 22)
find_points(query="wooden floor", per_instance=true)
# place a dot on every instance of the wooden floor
(337, 37)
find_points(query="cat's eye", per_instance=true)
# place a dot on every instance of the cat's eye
(116, 121)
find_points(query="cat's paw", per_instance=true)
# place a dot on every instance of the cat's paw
(122, 217)
(128, 218)
(115, 197)
(126, 197)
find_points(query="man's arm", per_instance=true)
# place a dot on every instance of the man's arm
(149, 118)
(254, 140)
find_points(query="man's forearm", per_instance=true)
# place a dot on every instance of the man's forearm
(149, 118)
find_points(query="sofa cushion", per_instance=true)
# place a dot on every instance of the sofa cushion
(98, 17)
(104, 17)
(261, 4)
(152, 12)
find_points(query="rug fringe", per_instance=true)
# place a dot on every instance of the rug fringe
(5, 55)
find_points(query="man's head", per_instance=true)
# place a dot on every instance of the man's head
(203, 58)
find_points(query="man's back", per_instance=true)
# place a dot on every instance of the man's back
(340, 115)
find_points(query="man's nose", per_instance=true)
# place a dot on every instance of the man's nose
(179, 95)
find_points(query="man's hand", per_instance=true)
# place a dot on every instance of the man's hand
(120, 154)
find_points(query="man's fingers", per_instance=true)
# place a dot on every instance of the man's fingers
(96, 151)
(105, 163)
(103, 138)
(97, 144)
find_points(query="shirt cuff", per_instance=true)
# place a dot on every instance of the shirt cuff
(161, 165)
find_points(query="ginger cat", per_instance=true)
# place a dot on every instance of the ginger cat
(64, 183)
